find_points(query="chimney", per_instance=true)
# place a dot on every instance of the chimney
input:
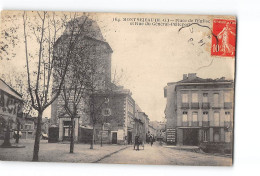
(185, 76)
(192, 76)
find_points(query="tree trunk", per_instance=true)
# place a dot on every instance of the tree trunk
(37, 137)
(101, 143)
(72, 135)
(18, 133)
(93, 138)
(7, 136)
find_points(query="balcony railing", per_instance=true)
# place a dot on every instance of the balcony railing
(228, 105)
(205, 105)
(184, 123)
(227, 124)
(216, 107)
(195, 123)
(194, 105)
(205, 123)
(185, 105)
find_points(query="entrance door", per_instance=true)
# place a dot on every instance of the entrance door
(66, 130)
(129, 136)
(66, 133)
(190, 137)
(114, 137)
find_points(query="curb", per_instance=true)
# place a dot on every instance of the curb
(202, 152)
(108, 155)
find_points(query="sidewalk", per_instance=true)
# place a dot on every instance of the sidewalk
(186, 148)
(195, 149)
(57, 152)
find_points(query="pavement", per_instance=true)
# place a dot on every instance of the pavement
(160, 155)
(187, 148)
(58, 152)
(112, 154)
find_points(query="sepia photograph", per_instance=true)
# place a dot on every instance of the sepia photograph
(117, 88)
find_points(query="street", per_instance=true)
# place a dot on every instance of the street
(112, 154)
(160, 155)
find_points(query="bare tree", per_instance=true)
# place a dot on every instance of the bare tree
(9, 37)
(41, 30)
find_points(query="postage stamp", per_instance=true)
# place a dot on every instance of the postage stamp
(224, 38)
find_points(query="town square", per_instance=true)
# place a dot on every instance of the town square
(92, 89)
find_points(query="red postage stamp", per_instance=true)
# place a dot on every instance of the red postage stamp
(224, 38)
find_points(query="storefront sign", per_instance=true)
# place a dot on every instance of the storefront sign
(10, 106)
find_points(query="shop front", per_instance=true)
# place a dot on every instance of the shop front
(10, 112)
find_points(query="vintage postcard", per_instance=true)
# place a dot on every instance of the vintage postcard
(117, 88)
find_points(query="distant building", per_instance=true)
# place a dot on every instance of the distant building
(200, 112)
(28, 127)
(46, 123)
(119, 121)
(160, 128)
(161, 131)
(141, 124)
(152, 130)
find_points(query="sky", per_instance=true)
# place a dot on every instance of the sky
(152, 56)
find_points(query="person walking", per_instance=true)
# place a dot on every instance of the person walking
(137, 143)
(151, 140)
(125, 141)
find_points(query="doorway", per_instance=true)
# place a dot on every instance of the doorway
(114, 137)
(129, 137)
(190, 137)
(66, 133)
(66, 130)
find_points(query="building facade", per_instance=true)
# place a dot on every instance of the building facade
(201, 112)
(98, 51)
(11, 105)
(116, 117)
(152, 130)
(28, 127)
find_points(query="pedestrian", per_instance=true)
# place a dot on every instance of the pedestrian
(137, 142)
(151, 140)
(125, 142)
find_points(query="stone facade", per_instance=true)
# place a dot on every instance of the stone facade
(118, 125)
(202, 111)
(96, 51)
(143, 125)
